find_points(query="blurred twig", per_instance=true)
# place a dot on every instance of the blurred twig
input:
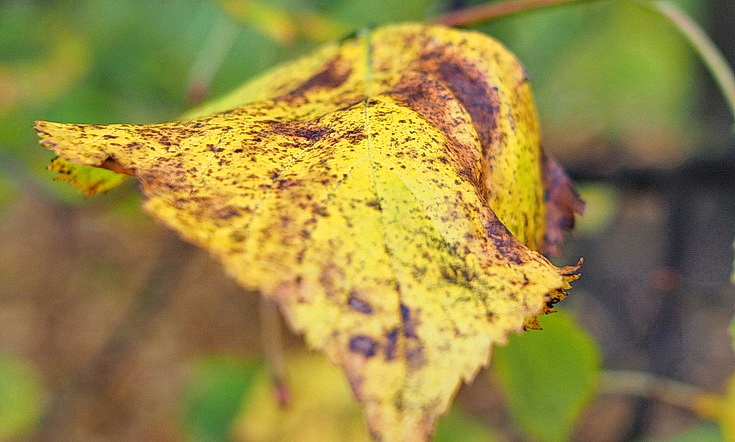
(84, 393)
(272, 335)
(650, 386)
(490, 11)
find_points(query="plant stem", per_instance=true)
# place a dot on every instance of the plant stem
(97, 388)
(271, 329)
(702, 44)
(490, 11)
(647, 385)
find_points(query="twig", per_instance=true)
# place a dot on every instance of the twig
(84, 392)
(650, 386)
(489, 11)
(272, 335)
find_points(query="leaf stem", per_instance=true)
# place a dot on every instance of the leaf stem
(702, 44)
(272, 335)
(490, 11)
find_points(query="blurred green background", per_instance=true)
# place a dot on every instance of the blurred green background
(111, 328)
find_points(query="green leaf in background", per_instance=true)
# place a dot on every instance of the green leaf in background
(457, 426)
(20, 398)
(214, 397)
(548, 376)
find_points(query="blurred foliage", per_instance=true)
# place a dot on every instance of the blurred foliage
(601, 202)
(214, 395)
(457, 426)
(20, 397)
(548, 376)
(320, 407)
(720, 408)
(704, 432)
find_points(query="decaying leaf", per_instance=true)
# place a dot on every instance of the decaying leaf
(389, 198)
(90, 180)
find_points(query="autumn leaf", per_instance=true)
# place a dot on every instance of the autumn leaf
(387, 192)
(321, 408)
(89, 180)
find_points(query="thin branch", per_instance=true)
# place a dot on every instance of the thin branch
(490, 11)
(84, 393)
(272, 335)
(702, 44)
(647, 385)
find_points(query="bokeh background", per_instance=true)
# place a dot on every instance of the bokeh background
(111, 328)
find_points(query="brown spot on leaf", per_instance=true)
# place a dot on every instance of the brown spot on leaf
(226, 212)
(410, 322)
(390, 345)
(358, 304)
(415, 355)
(505, 242)
(331, 76)
(424, 94)
(287, 183)
(112, 164)
(308, 131)
(375, 204)
(363, 345)
(471, 88)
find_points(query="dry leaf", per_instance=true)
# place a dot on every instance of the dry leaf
(388, 198)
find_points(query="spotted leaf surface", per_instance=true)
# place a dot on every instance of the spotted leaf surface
(387, 192)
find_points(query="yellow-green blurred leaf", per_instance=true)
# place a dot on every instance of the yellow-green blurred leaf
(720, 408)
(321, 406)
(282, 24)
(20, 398)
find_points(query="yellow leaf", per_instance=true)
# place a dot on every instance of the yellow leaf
(90, 180)
(320, 408)
(389, 199)
(720, 408)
